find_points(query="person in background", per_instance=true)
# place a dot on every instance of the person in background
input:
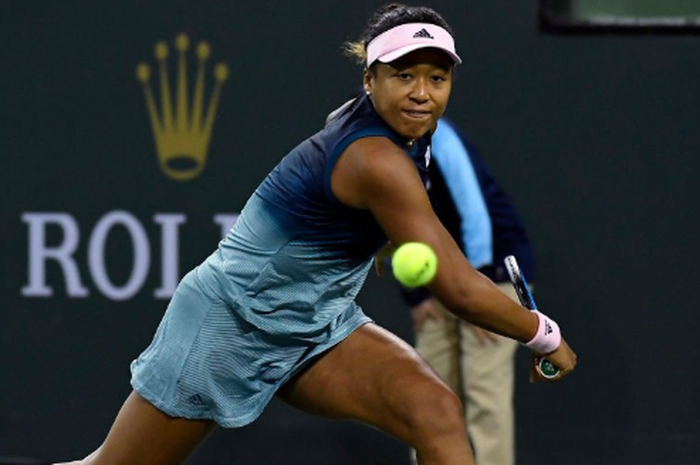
(476, 364)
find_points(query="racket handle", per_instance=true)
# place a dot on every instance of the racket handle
(548, 369)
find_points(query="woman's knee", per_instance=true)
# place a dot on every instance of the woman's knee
(435, 411)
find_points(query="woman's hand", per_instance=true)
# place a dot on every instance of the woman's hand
(563, 358)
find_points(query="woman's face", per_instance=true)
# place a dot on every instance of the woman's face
(411, 93)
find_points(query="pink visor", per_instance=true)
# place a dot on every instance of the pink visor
(403, 39)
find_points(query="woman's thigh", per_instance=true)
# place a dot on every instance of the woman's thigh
(372, 376)
(142, 434)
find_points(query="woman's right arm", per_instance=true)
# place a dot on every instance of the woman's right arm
(376, 175)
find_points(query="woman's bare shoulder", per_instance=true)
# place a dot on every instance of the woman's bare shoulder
(369, 166)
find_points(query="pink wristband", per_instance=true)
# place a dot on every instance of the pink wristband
(548, 336)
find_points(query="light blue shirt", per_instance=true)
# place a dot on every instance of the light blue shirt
(457, 170)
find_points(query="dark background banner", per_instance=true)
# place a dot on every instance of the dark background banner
(595, 137)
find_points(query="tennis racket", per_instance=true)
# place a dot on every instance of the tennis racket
(547, 369)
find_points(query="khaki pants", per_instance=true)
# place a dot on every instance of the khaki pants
(482, 375)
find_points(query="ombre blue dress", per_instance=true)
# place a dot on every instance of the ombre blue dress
(279, 290)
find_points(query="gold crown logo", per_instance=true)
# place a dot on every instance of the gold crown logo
(182, 132)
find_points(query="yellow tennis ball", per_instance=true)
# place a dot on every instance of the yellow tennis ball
(414, 264)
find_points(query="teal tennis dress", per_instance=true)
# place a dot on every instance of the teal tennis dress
(279, 290)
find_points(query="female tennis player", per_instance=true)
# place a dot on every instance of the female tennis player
(272, 310)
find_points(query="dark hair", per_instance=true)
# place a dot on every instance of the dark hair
(387, 17)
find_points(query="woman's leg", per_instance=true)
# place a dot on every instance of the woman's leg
(143, 435)
(375, 377)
